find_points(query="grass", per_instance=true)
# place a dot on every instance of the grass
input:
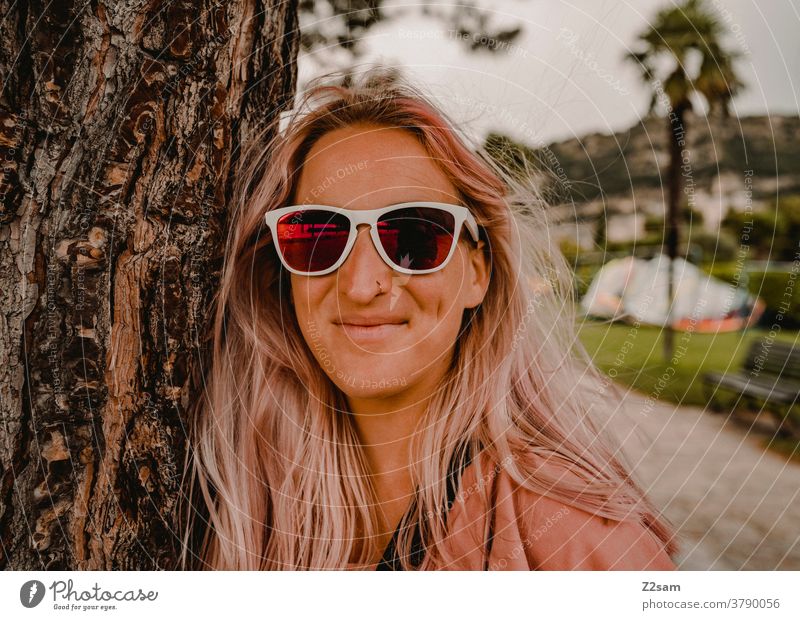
(634, 357)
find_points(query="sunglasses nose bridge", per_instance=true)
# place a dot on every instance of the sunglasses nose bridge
(362, 266)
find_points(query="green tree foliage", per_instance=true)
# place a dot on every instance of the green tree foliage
(345, 23)
(772, 234)
(664, 58)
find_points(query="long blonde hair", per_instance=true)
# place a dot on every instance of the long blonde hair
(277, 476)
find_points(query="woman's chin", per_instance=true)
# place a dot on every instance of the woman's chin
(370, 384)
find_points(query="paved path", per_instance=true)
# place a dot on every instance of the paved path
(736, 505)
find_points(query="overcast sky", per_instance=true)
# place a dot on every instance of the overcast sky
(565, 76)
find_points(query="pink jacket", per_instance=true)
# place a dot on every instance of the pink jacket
(535, 532)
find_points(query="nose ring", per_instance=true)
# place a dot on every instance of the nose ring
(380, 288)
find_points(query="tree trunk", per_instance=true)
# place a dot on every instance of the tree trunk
(120, 125)
(677, 143)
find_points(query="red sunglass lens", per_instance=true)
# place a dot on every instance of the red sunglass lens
(312, 240)
(417, 237)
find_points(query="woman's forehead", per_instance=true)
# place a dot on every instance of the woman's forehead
(367, 166)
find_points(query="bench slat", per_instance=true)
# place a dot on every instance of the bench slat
(770, 371)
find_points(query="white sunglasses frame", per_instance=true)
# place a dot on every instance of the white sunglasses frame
(461, 215)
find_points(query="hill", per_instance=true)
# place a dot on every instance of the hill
(730, 163)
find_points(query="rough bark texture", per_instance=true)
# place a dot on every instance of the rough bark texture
(120, 123)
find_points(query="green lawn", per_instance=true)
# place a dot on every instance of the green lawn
(634, 357)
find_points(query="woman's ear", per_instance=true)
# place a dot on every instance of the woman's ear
(478, 270)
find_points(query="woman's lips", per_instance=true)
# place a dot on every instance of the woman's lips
(372, 333)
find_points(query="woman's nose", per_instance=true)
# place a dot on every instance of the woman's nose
(360, 273)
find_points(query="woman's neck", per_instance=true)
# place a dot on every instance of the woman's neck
(385, 431)
(385, 426)
(385, 434)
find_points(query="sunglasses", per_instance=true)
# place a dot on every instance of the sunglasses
(411, 237)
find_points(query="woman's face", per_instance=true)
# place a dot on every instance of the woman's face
(418, 316)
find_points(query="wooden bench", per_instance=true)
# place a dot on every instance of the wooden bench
(769, 378)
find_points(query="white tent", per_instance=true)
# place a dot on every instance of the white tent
(633, 289)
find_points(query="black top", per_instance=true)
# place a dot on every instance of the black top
(390, 559)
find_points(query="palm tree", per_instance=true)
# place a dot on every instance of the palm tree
(669, 48)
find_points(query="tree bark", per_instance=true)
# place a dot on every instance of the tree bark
(120, 127)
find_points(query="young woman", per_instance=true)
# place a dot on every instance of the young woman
(395, 380)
